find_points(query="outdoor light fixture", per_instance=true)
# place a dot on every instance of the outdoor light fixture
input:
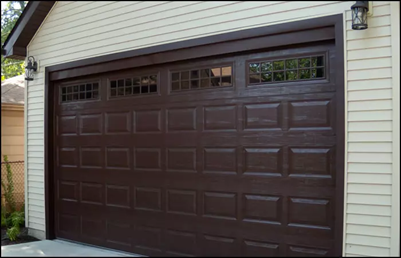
(360, 15)
(30, 68)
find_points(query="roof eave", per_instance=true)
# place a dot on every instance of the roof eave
(5, 106)
(14, 52)
(15, 45)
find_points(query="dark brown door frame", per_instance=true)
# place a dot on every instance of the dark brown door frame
(311, 30)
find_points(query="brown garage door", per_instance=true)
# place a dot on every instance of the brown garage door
(227, 156)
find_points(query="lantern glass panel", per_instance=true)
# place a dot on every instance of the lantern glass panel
(359, 18)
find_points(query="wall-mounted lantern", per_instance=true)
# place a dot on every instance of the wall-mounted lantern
(30, 68)
(360, 12)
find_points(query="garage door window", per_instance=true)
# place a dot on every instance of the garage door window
(87, 91)
(294, 69)
(201, 78)
(137, 85)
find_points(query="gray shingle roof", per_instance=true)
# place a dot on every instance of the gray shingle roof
(12, 90)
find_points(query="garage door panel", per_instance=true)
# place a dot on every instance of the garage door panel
(117, 141)
(147, 159)
(287, 97)
(68, 190)
(220, 118)
(119, 177)
(146, 140)
(87, 140)
(181, 140)
(212, 245)
(117, 157)
(318, 107)
(69, 174)
(112, 104)
(67, 124)
(214, 160)
(251, 184)
(181, 159)
(263, 249)
(117, 123)
(210, 230)
(211, 139)
(276, 91)
(92, 187)
(118, 234)
(318, 112)
(148, 239)
(93, 229)
(274, 234)
(282, 139)
(262, 161)
(181, 119)
(95, 176)
(92, 193)
(147, 121)
(68, 224)
(302, 251)
(117, 196)
(151, 252)
(69, 236)
(263, 116)
(91, 124)
(91, 157)
(67, 156)
(309, 237)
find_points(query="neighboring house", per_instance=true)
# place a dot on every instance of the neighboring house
(213, 128)
(12, 131)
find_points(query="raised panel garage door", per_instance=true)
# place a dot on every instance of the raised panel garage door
(226, 156)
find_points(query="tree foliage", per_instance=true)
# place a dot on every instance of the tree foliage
(9, 17)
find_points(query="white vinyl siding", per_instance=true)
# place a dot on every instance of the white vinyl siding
(369, 175)
(80, 30)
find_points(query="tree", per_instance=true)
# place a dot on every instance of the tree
(9, 17)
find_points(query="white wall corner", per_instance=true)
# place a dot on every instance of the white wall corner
(26, 153)
(395, 53)
(345, 130)
(39, 234)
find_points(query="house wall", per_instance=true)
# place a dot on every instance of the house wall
(12, 134)
(12, 145)
(79, 30)
(395, 45)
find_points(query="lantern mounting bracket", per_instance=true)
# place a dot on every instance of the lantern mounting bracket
(370, 8)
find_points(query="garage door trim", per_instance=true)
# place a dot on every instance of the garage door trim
(179, 51)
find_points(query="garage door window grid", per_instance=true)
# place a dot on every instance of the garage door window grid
(87, 91)
(201, 78)
(291, 69)
(137, 85)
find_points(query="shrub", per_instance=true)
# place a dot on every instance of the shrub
(10, 218)
(14, 222)
(9, 188)
(3, 220)
(17, 218)
(3, 214)
(3, 217)
(13, 233)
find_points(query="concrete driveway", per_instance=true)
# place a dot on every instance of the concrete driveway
(58, 248)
